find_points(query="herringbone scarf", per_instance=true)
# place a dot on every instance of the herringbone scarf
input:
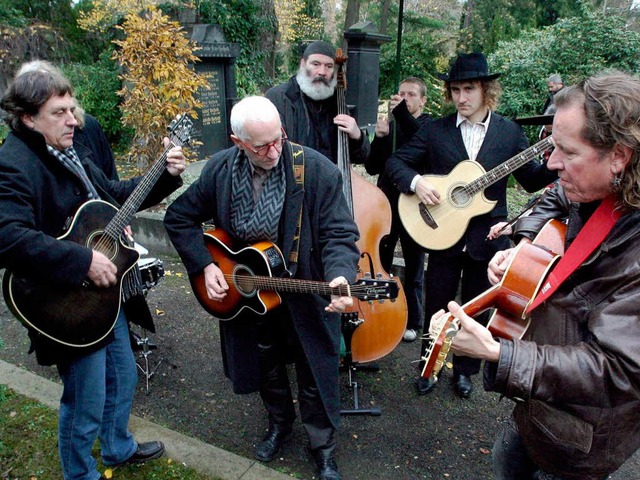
(254, 221)
(70, 160)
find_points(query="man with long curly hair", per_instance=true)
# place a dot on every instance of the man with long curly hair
(474, 132)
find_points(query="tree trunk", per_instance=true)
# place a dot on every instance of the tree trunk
(384, 16)
(268, 41)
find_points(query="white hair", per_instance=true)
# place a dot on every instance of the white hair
(253, 109)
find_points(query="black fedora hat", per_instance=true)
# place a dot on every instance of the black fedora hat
(468, 66)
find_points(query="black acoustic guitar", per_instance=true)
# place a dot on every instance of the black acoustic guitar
(256, 273)
(83, 316)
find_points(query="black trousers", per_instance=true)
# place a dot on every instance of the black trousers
(444, 275)
(413, 255)
(279, 345)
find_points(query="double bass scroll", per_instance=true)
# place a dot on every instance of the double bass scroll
(377, 327)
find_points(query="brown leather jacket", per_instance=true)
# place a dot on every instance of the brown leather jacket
(575, 376)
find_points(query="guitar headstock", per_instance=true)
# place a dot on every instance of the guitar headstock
(180, 130)
(441, 334)
(375, 289)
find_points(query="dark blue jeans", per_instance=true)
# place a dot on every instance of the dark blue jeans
(98, 391)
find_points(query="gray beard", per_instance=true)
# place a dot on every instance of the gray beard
(315, 90)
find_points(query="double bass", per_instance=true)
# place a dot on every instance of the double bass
(371, 329)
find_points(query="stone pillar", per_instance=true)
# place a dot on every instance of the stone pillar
(363, 71)
(217, 65)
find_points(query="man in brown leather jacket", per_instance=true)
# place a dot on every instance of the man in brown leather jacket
(575, 375)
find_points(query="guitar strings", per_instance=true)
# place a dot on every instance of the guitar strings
(107, 243)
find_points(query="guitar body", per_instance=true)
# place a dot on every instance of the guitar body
(437, 227)
(71, 315)
(384, 323)
(261, 259)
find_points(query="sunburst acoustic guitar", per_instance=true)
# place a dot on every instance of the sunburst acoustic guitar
(256, 273)
(529, 267)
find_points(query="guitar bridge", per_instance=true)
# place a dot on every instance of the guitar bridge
(427, 217)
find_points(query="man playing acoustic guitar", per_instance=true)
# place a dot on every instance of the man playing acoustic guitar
(44, 182)
(575, 375)
(475, 132)
(266, 189)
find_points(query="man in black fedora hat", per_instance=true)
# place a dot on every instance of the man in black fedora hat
(477, 133)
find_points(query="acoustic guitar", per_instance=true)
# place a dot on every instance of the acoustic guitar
(527, 270)
(82, 316)
(436, 227)
(256, 273)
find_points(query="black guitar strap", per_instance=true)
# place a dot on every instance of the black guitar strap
(297, 154)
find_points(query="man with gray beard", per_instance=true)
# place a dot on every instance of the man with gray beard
(308, 106)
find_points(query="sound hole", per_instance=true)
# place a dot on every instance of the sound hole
(459, 196)
(102, 243)
(243, 279)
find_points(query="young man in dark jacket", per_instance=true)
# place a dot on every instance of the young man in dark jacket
(407, 109)
(474, 132)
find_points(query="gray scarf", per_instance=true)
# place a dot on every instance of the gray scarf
(256, 221)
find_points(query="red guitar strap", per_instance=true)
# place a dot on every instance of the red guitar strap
(592, 234)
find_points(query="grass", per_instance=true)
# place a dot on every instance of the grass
(29, 447)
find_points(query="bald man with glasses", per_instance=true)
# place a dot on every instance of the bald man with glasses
(265, 188)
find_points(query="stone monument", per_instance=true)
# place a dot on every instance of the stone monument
(217, 65)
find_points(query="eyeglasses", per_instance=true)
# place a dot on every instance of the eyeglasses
(263, 150)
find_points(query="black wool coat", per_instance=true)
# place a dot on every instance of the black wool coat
(38, 199)
(327, 250)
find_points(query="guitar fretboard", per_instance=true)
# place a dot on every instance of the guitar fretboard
(504, 169)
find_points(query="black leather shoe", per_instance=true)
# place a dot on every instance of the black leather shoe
(270, 445)
(328, 469)
(425, 385)
(463, 386)
(146, 451)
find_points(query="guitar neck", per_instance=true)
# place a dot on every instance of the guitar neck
(291, 285)
(123, 217)
(504, 169)
(178, 136)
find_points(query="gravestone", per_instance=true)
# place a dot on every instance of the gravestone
(217, 66)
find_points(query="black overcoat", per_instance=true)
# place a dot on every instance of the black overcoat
(327, 250)
(438, 147)
(38, 198)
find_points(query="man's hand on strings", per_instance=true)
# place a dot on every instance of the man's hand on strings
(426, 192)
(473, 339)
(338, 304)
(348, 125)
(102, 271)
(215, 282)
